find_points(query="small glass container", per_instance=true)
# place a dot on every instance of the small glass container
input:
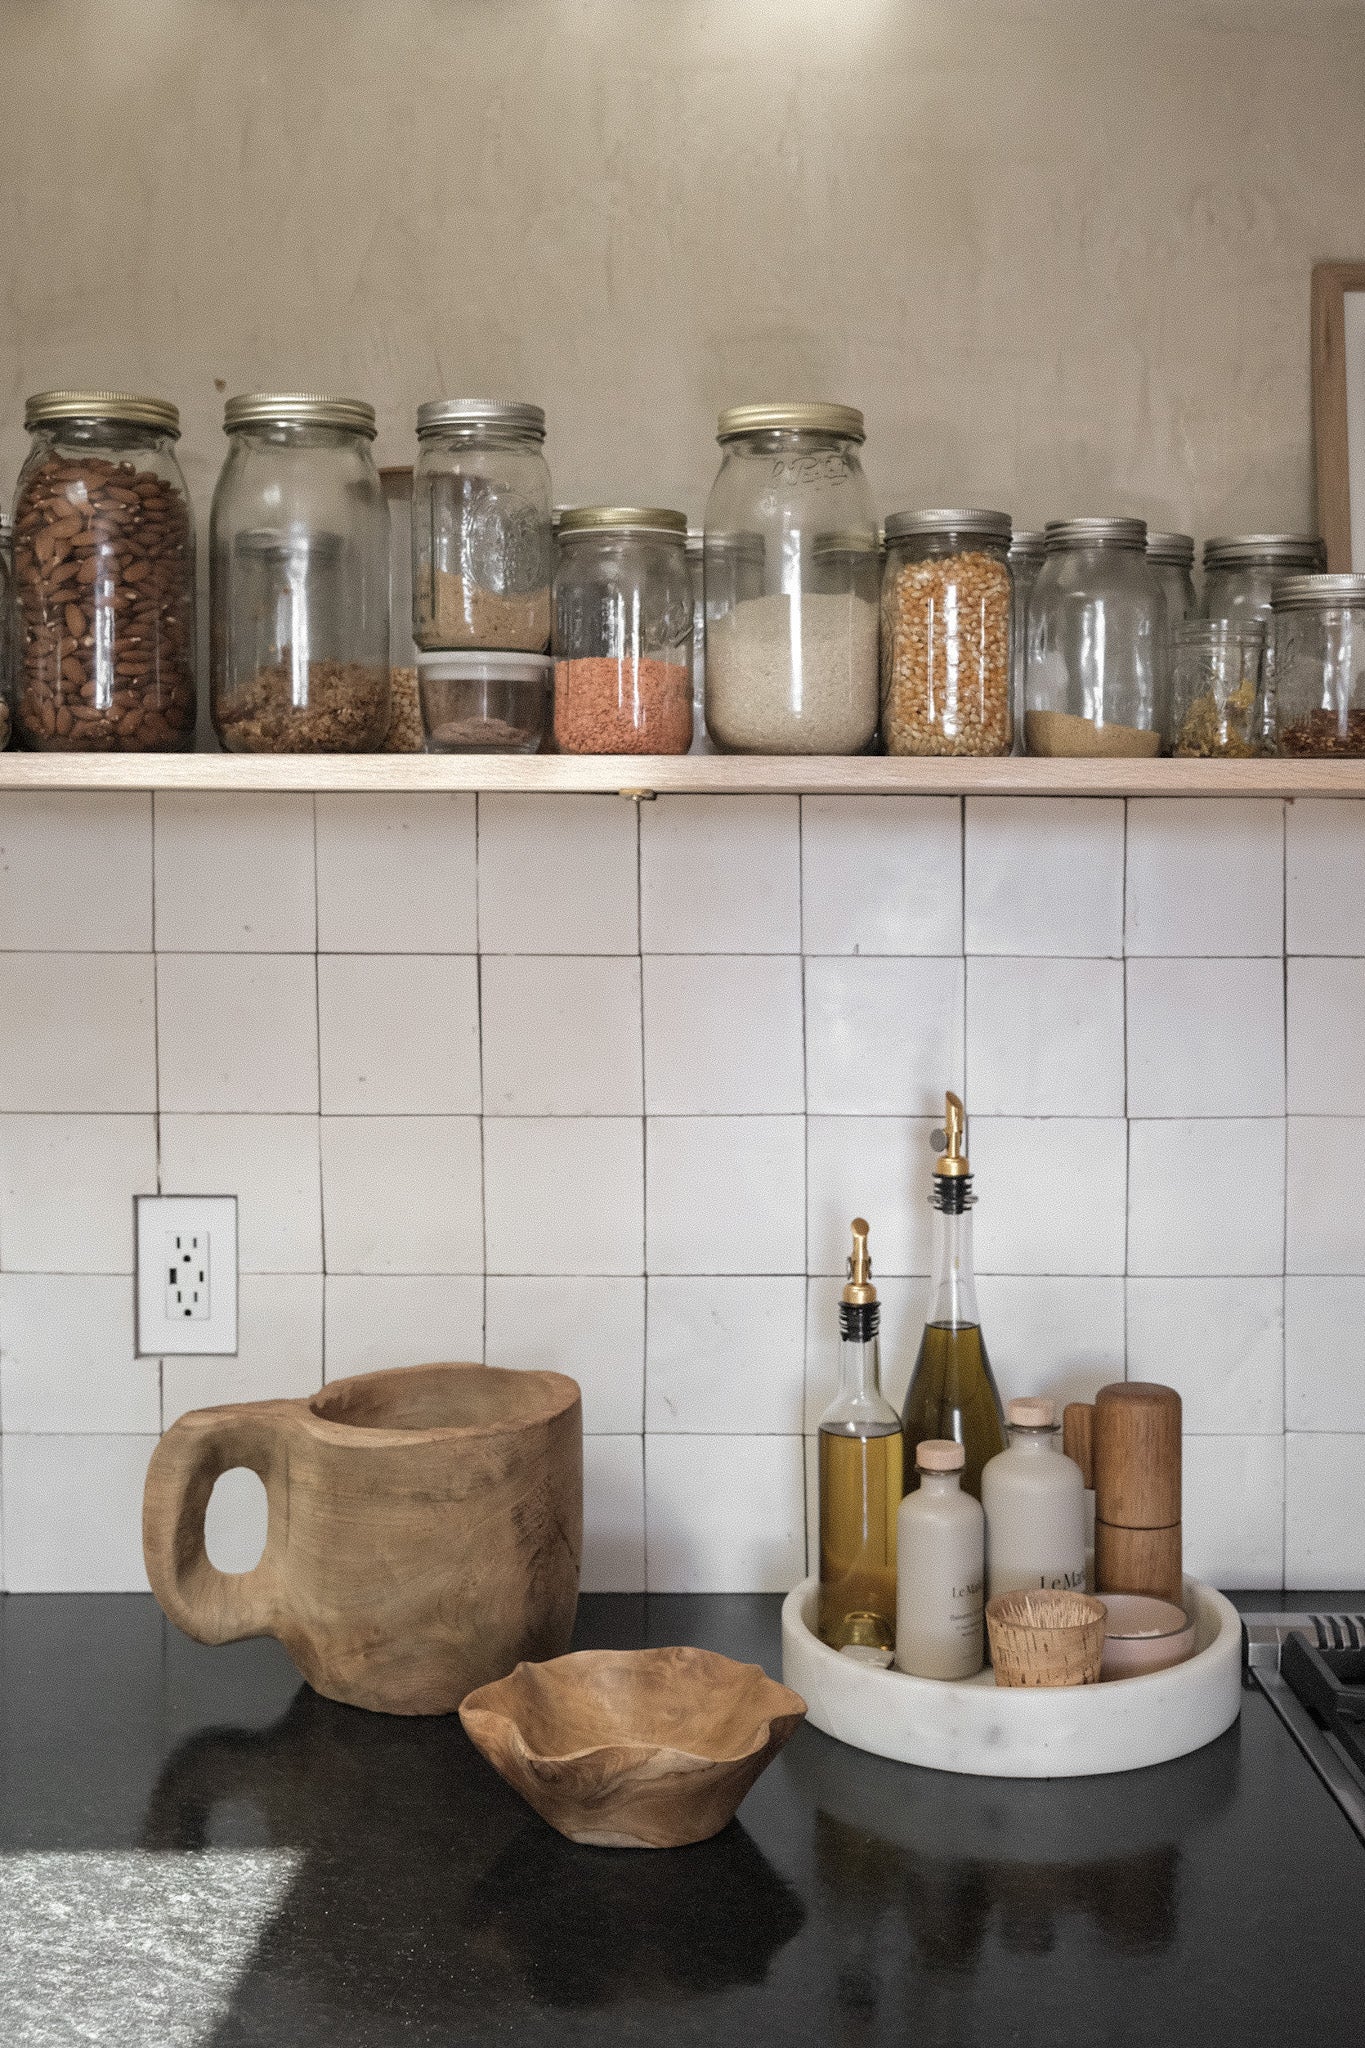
(1240, 573)
(1095, 682)
(623, 632)
(1216, 702)
(947, 605)
(1172, 556)
(482, 544)
(6, 631)
(103, 577)
(1319, 627)
(1028, 547)
(791, 630)
(483, 702)
(299, 579)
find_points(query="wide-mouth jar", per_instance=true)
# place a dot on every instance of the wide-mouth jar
(299, 578)
(1319, 645)
(623, 616)
(1217, 672)
(103, 597)
(482, 543)
(791, 618)
(1095, 678)
(483, 701)
(947, 605)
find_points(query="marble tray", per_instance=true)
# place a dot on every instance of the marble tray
(984, 1730)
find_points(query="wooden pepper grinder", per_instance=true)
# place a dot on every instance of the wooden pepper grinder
(1127, 1445)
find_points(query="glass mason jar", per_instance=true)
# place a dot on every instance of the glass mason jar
(1240, 573)
(482, 547)
(791, 642)
(1216, 701)
(1028, 547)
(299, 579)
(103, 577)
(1172, 556)
(1319, 628)
(1095, 682)
(6, 631)
(622, 632)
(947, 602)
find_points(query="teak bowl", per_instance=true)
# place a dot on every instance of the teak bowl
(633, 1749)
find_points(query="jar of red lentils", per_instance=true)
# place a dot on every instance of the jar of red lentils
(622, 632)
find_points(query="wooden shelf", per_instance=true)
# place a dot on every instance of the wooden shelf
(648, 775)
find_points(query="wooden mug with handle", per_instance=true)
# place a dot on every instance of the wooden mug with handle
(424, 1529)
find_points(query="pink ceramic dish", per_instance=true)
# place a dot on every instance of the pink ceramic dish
(1142, 1634)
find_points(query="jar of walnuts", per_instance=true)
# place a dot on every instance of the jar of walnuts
(947, 604)
(103, 577)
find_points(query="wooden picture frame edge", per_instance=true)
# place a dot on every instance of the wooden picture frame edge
(1331, 282)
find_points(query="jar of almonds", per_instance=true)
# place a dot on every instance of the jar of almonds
(947, 603)
(103, 577)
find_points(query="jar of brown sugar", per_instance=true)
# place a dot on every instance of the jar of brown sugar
(482, 546)
(947, 604)
(622, 632)
(103, 577)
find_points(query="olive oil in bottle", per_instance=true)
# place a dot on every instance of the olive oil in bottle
(860, 1478)
(952, 1393)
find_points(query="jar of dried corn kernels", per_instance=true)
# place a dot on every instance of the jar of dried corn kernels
(947, 601)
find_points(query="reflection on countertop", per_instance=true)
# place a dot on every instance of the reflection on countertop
(299, 1872)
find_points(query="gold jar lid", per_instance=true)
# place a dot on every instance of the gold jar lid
(808, 417)
(621, 519)
(298, 409)
(123, 406)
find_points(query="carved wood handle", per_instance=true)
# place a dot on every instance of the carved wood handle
(209, 1605)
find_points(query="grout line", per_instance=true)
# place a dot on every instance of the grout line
(805, 1159)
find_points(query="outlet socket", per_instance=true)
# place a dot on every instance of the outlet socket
(186, 1275)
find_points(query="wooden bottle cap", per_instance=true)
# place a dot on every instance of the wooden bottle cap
(939, 1454)
(1136, 1455)
(1031, 1413)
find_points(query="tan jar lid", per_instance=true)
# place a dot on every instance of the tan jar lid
(939, 1454)
(298, 409)
(1032, 1413)
(807, 417)
(621, 519)
(103, 405)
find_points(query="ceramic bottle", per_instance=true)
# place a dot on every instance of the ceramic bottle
(940, 1555)
(1034, 1499)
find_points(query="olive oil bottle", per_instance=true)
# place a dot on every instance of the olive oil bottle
(860, 1478)
(952, 1392)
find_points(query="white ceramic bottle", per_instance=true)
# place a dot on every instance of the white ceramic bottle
(1034, 1499)
(940, 1537)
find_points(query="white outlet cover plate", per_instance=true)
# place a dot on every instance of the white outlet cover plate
(160, 1220)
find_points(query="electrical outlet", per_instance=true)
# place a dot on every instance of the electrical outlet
(186, 1275)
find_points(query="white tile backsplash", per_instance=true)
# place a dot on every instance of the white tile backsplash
(881, 874)
(1205, 877)
(1205, 1037)
(234, 872)
(397, 874)
(641, 1169)
(720, 874)
(883, 1037)
(561, 1037)
(1044, 877)
(1045, 1037)
(723, 1035)
(726, 1194)
(398, 1034)
(238, 1031)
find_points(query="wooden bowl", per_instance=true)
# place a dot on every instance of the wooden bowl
(633, 1749)
(1045, 1638)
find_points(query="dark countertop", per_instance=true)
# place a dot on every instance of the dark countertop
(195, 1849)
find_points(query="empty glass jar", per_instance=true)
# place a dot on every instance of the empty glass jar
(299, 579)
(103, 577)
(1240, 574)
(947, 600)
(791, 623)
(1172, 556)
(1095, 682)
(482, 549)
(1216, 704)
(622, 632)
(1319, 640)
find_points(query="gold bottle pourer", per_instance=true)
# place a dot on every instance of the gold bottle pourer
(859, 1292)
(952, 1162)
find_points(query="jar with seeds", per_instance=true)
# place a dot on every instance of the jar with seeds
(947, 605)
(1320, 665)
(1216, 701)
